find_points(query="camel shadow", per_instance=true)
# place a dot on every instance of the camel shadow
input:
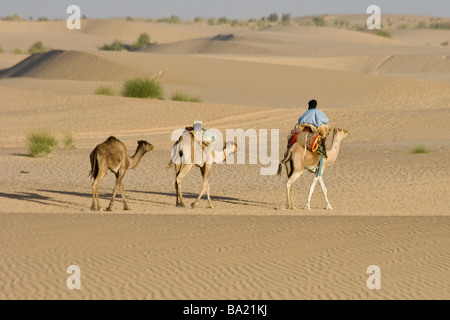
(231, 200)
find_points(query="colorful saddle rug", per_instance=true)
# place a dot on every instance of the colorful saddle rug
(312, 141)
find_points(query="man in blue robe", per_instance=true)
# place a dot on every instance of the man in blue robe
(315, 117)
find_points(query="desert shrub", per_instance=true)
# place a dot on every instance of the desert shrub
(115, 46)
(319, 21)
(384, 33)
(41, 144)
(105, 91)
(42, 19)
(179, 96)
(37, 47)
(173, 19)
(422, 25)
(143, 88)
(419, 150)
(440, 25)
(211, 21)
(14, 17)
(444, 43)
(1, 49)
(286, 19)
(273, 17)
(223, 20)
(69, 140)
(18, 51)
(142, 42)
(198, 20)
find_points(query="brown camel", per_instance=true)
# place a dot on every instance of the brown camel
(298, 158)
(112, 154)
(183, 159)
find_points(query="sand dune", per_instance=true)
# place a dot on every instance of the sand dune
(390, 205)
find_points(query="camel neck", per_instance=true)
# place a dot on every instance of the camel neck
(136, 158)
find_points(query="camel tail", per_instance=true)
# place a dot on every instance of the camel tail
(94, 164)
(286, 159)
(280, 168)
(169, 165)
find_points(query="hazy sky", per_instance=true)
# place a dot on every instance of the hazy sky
(232, 9)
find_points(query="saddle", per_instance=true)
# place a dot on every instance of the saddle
(310, 137)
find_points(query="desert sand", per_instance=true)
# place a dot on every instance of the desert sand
(390, 206)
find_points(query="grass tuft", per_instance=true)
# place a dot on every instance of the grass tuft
(105, 91)
(419, 150)
(179, 96)
(41, 144)
(143, 88)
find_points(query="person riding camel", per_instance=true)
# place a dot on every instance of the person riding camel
(314, 121)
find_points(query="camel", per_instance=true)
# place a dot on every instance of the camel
(112, 154)
(184, 149)
(299, 158)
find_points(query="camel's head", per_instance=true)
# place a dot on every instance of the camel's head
(341, 132)
(231, 147)
(145, 145)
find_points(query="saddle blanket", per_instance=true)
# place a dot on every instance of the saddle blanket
(308, 139)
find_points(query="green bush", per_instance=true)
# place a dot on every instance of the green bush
(211, 21)
(422, 25)
(41, 144)
(1, 49)
(37, 47)
(286, 19)
(115, 46)
(273, 17)
(419, 150)
(105, 91)
(142, 42)
(173, 19)
(384, 33)
(440, 25)
(179, 96)
(143, 88)
(18, 51)
(444, 43)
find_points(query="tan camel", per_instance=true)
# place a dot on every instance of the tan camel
(299, 158)
(183, 160)
(112, 154)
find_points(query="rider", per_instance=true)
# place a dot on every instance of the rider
(316, 118)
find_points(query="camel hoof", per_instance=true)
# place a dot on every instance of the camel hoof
(109, 209)
(193, 204)
(126, 209)
(329, 208)
(211, 207)
(307, 207)
(181, 205)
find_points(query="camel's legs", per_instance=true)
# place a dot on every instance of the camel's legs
(119, 177)
(324, 190)
(122, 191)
(95, 202)
(295, 175)
(205, 170)
(181, 174)
(311, 190)
(177, 170)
